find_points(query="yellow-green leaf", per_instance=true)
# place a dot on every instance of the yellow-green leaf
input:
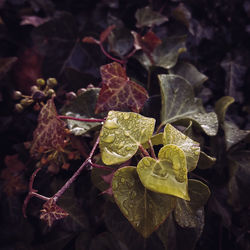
(121, 135)
(168, 174)
(144, 209)
(191, 148)
(155, 139)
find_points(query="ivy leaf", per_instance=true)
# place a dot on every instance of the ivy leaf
(144, 209)
(205, 161)
(190, 73)
(165, 55)
(118, 91)
(189, 213)
(233, 134)
(147, 17)
(168, 174)
(221, 107)
(83, 106)
(50, 131)
(191, 148)
(179, 103)
(121, 135)
(51, 212)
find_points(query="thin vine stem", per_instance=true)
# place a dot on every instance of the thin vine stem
(80, 119)
(144, 151)
(152, 149)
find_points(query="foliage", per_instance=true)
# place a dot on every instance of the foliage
(130, 146)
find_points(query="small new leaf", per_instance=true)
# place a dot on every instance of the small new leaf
(168, 174)
(121, 135)
(50, 132)
(51, 212)
(191, 148)
(118, 91)
(144, 209)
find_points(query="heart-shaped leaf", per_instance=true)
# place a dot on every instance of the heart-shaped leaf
(147, 17)
(191, 148)
(187, 213)
(165, 55)
(179, 103)
(121, 135)
(168, 174)
(83, 106)
(144, 209)
(118, 91)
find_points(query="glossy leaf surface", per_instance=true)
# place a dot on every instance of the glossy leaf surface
(190, 147)
(118, 91)
(121, 135)
(147, 17)
(188, 213)
(50, 132)
(144, 209)
(83, 106)
(168, 174)
(179, 103)
(205, 161)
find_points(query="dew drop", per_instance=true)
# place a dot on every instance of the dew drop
(126, 133)
(133, 194)
(126, 116)
(109, 138)
(183, 137)
(120, 145)
(146, 162)
(111, 124)
(197, 152)
(115, 185)
(122, 180)
(128, 148)
(101, 133)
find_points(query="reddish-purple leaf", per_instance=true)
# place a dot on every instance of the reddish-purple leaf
(51, 212)
(118, 91)
(104, 35)
(90, 39)
(33, 20)
(50, 132)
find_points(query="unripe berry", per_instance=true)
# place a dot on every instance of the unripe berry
(17, 95)
(19, 107)
(50, 92)
(34, 88)
(40, 82)
(71, 95)
(26, 102)
(52, 82)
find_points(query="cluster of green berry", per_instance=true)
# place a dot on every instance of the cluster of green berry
(39, 93)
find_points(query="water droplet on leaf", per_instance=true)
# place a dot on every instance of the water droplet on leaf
(126, 116)
(111, 124)
(109, 138)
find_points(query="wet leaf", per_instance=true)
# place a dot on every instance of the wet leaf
(205, 161)
(118, 91)
(233, 134)
(166, 54)
(168, 174)
(50, 131)
(190, 73)
(191, 148)
(221, 107)
(179, 103)
(144, 209)
(234, 78)
(6, 64)
(147, 17)
(83, 106)
(51, 212)
(121, 135)
(190, 213)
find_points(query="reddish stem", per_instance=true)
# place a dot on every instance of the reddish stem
(144, 151)
(80, 119)
(100, 166)
(77, 173)
(152, 149)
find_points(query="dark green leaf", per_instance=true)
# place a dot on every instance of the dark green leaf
(144, 209)
(190, 73)
(166, 54)
(82, 107)
(147, 17)
(205, 161)
(121, 135)
(179, 103)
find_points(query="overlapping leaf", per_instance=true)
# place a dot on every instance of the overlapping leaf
(221, 107)
(205, 161)
(189, 213)
(168, 174)
(144, 209)
(179, 103)
(191, 148)
(165, 55)
(51, 212)
(50, 131)
(147, 17)
(82, 107)
(190, 73)
(118, 91)
(121, 135)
